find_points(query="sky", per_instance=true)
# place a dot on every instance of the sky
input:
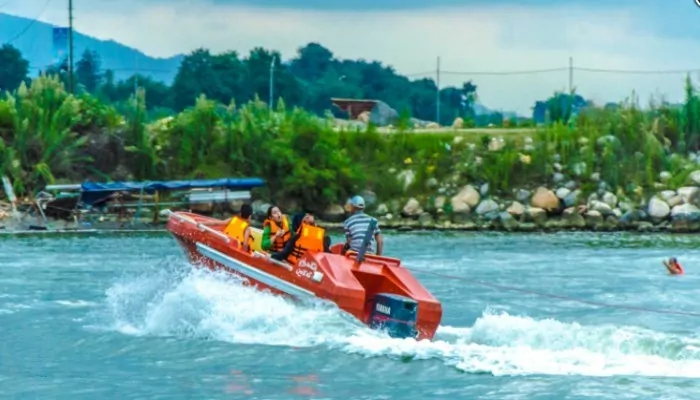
(471, 37)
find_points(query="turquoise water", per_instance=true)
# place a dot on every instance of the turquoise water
(125, 317)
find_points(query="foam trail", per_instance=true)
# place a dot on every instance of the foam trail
(181, 301)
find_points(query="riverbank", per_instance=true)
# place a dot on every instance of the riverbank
(498, 223)
(600, 169)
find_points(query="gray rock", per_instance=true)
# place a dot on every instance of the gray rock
(695, 177)
(675, 201)
(484, 189)
(594, 219)
(523, 196)
(571, 185)
(516, 209)
(412, 208)
(685, 212)
(562, 193)
(536, 215)
(667, 194)
(658, 209)
(486, 206)
(610, 199)
(573, 198)
(507, 221)
(690, 194)
(601, 207)
(629, 218)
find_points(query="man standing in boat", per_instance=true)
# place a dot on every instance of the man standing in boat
(356, 228)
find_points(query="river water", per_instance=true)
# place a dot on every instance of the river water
(125, 317)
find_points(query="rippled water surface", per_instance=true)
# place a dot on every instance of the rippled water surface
(125, 317)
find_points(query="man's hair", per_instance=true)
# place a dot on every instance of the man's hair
(246, 211)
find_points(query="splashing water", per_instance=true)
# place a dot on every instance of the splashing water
(177, 300)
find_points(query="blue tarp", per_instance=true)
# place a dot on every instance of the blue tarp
(93, 192)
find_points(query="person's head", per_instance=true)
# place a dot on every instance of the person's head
(309, 219)
(357, 203)
(274, 213)
(246, 211)
(673, 260)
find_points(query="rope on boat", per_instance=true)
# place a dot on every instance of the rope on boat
(553, 296)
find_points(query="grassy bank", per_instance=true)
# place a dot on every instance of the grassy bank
(49, 136)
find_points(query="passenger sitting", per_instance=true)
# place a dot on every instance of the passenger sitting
(239, 227)
(276, 232)
(308, 236)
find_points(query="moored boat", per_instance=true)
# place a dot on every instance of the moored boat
(377, 290)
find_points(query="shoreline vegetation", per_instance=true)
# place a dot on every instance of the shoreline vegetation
(618, 167)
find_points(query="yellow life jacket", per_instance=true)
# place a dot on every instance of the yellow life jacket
(236, 230)
(310, 239)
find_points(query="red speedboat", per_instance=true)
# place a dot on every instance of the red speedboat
(376, 290)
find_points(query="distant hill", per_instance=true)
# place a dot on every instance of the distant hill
(36, 46)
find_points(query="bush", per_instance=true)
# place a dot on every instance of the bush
(47, 135)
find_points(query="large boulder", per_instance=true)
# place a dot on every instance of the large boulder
(464, 201)
(658, 209)
(545, 199)
(487, 206)
(412, 209)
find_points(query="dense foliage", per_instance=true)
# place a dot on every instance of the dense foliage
(48, 135)
(308, 81)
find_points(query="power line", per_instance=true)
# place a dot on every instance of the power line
(464, 73)
(30, 24)
(498, 73)
(637, 72)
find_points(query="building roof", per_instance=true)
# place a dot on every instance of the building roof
(354, 107)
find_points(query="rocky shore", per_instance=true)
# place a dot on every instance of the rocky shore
(540, 209)
(543, 209)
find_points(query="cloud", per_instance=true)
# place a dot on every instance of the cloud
(480, 37)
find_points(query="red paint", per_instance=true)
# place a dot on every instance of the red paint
(351, 287)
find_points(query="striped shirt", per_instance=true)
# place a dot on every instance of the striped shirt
(356, 227)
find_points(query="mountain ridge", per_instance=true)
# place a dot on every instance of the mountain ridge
(37, 47)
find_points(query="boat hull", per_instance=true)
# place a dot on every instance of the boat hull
(330, 276)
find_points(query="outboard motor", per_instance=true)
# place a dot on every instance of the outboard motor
(397, 314)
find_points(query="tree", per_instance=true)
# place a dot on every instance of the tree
(88, 71)
(312, 63)
(13, 68)
(286, 85)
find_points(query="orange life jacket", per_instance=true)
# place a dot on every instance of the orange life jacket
(236, 230)
(310, 239)
(680, 268)
(278, 243)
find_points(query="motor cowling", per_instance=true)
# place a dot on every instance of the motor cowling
(394, 313)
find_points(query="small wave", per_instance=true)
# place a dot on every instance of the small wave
(75, 303)
(177, 300)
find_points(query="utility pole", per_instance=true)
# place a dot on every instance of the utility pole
(71, 84)
(136, 74)
(437, 95)
(272, 82)
(571, 75)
